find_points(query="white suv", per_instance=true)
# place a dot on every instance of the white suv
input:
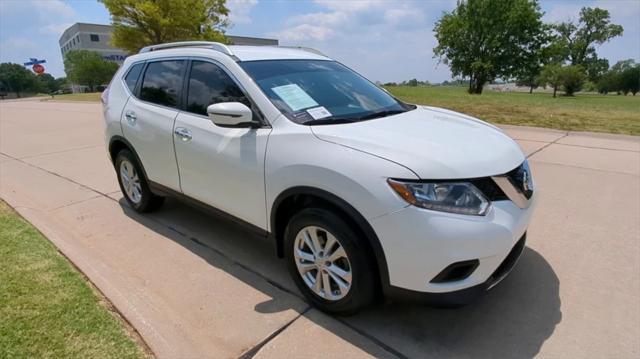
(364, 195)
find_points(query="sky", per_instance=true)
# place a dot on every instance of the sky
(383, 40)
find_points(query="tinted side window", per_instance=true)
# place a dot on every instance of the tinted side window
(162, 82)
(132, 77)
(209, 84)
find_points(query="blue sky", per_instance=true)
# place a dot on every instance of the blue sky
(384, 40)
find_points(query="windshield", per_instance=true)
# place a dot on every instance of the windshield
(321, 91)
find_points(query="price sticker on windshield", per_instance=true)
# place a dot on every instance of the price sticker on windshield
(294, 97)
(318, 112)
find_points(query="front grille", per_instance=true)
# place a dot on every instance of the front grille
(521, 178)
(490, 189)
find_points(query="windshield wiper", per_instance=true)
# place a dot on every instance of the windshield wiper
(380, 114)
(330, 121)
(339, 120)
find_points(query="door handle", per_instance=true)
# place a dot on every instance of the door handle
(131, 117)
(183, 133)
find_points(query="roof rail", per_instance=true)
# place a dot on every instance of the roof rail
(172, 45)
(303, 48)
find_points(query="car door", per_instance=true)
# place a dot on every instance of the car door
(222, 167)
(149, 116)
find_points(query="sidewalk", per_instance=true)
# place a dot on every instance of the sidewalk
(195, 286)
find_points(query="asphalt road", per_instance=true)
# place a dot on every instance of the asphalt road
(195, 286)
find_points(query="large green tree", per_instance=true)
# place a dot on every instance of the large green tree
(46, 83)
(620, 78)
(16, 78)
(579, 39)
(139, 23)
(88, 68)
(485, 39)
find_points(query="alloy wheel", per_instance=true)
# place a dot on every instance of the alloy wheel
(130, 181)
(322, 263)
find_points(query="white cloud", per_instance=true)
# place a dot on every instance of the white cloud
(343, 18)
(54, 29)
(303, 32)
(41, 12)
(239, 10)
(402, 15)
(349, 5)
(320, 18)
(384, 40)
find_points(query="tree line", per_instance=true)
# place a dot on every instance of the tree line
(83, 67)
(483, 40)
(16, 79)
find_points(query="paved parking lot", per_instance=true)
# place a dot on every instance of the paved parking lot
(194, 286)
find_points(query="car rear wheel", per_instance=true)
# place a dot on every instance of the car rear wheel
(328, 261)
(134, 185)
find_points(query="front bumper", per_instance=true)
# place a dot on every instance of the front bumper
(464, 296)
(418, 244)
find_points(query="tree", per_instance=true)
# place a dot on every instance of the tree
(88, 68)
(572, 79)
(550, 75)
(46, 83)
(630, 80)
(609, 82)
(139, 23)
(542, 52)
(486, 39)
(619, 78)
(62, 83)
(16, 78)
(623, 65)
(578, 40)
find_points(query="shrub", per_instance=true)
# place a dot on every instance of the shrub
(572, 79)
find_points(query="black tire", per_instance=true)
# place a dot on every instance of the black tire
(148, 201)
(363, 286)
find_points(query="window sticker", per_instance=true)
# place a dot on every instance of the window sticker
(318, 112)
(294, 97)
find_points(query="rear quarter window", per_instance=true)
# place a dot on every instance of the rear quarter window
(131, 79)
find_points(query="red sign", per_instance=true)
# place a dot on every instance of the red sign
(37, 68)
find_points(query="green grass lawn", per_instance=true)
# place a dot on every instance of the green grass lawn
(584, 112)
(47, 309)
(89, 96)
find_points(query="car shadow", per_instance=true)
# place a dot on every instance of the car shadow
(512, 320)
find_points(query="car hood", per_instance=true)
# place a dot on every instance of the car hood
(432, 142)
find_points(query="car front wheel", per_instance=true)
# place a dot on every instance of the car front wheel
(328, 261)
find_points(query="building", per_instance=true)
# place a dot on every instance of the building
(96, 37)
(93, 37)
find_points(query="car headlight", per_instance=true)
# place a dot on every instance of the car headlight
(454, 197)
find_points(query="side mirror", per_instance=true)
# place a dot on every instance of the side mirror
(231, 114)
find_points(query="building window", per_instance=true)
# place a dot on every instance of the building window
(94, 37)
